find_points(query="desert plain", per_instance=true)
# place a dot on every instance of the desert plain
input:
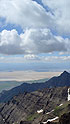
(26, 75)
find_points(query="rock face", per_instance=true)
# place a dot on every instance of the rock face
(23, 108)
(65, 119)
(51, 123)
(60, 81)
(25, 122)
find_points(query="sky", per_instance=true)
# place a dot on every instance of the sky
(35, 31)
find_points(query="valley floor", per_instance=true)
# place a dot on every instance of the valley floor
(26, 75)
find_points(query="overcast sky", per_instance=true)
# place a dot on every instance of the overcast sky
(34, 31)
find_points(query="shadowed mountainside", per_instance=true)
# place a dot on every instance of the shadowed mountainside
(24, 107)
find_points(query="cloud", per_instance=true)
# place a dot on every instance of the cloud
(39, 27)
(60, 9)
(57, 59)
(26, 13)
(33, 41)
(10, 42)
(31, 57)
(29, 14)
(46, 58)
(42, 41)
(34, 59)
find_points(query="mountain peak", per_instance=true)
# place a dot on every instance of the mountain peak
(65, 73)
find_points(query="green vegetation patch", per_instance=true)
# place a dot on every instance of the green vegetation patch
(59, 110)
(32, 117)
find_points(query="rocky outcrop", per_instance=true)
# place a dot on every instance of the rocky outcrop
(65, 119)
(23, 108)
(25, 122)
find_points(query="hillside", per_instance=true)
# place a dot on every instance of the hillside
(62, 112)
(27, 107)
(60, 81)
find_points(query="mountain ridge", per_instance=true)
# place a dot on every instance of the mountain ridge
(59, 81)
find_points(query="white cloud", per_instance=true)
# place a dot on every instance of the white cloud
(61, 11)
(34, 58)
(57, 58)
(46, 58)
(33, 41)
(30, 14)
(42, 41)
(10, 42)
(26, 13)
(31, 57)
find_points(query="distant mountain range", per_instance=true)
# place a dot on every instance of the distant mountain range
(60, 81)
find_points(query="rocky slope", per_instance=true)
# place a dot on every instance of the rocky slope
(64, 119)
(60, 81)
(32, 108)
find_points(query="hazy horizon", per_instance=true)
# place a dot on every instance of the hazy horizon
(39, 67)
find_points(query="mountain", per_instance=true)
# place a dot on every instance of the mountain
(63, 112)
(60, 81)
(25, 108)
(65, 119)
